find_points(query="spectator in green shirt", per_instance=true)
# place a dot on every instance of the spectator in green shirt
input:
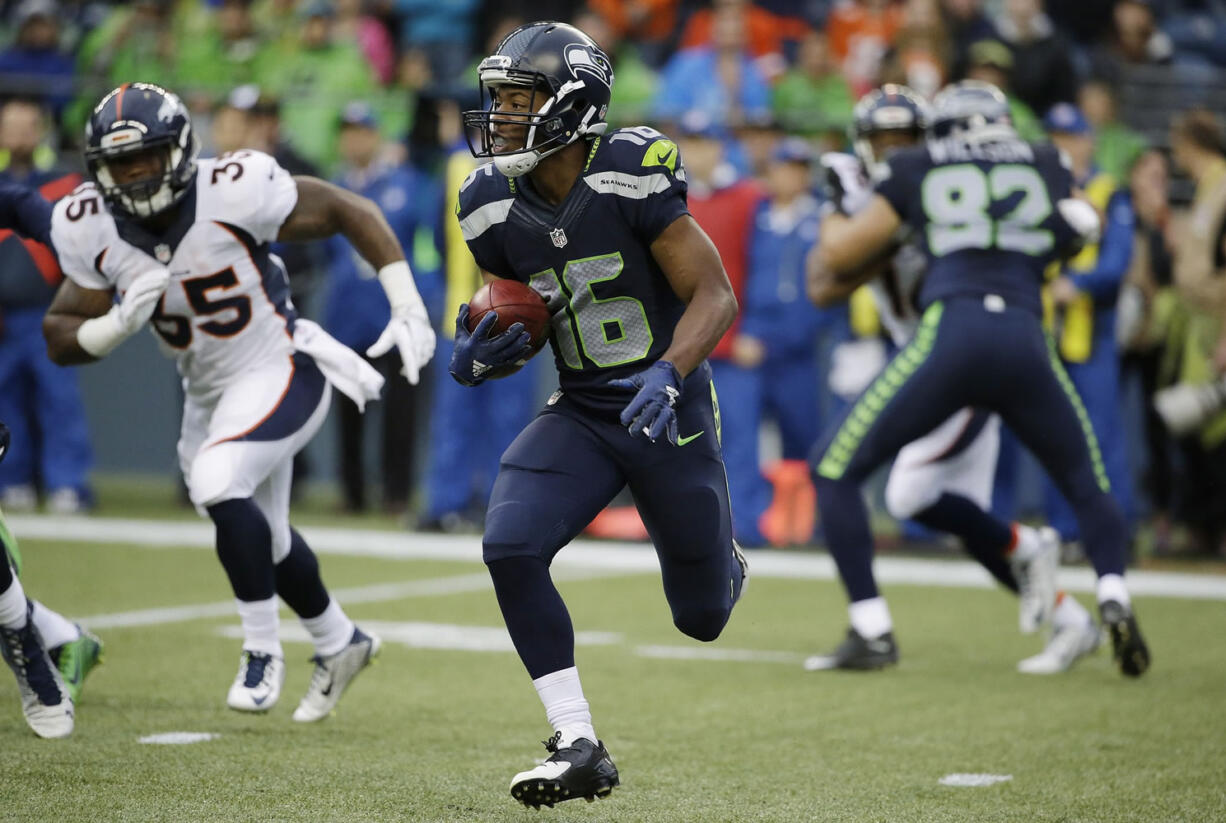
(813, 97)
(314, 78)
(635, 84)
(1117, 146)
(135, 43)
(991, 61)
(221, 57)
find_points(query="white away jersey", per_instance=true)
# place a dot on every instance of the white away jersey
(227, 308)
(896, 291)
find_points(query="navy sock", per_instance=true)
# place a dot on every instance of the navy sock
(298, 580)
(985, 537)
(535, 615)
(244, 547)
(1103, 532)
(848, 536)
(6, 573)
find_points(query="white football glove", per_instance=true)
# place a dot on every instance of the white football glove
(846, 181)
(1185, 407)
(100, 335)
(409, 328)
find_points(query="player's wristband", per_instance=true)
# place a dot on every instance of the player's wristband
(100, 335)
(397, 281)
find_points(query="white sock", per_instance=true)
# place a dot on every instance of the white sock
(1069, 613)
(870, 618)
(1111, 587)
(260, 623)
(565, 707)
(331, 630)
(1027, 543)
(53, 626)
(12, 604)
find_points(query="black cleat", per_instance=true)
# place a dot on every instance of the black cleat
(857, 653)
(580, 769)
(1128, 645)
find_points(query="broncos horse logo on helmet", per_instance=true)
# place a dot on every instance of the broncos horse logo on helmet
(557, 61)
(891, 108)
(133, 119)
(972, 110)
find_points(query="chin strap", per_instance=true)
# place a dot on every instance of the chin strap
(519, 164)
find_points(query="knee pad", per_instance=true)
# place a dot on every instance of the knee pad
(213, 477)
(906, 494)
(701, 623)
(511, 532)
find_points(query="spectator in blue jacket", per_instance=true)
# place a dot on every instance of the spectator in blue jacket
(357, 308)
(1085, 295)
(777, 346)
(34, 65)
(41, 401)
(720, 80)
(443, 31)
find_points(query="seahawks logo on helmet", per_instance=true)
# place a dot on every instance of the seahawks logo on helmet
(582, 59)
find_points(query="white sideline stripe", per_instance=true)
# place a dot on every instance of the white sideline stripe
(177, 738)
(439, 636)
(452, 637)
(379, 593)
(721, 655)
(593, 555)
(971, 780)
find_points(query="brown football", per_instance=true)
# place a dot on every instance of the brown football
(514, 302)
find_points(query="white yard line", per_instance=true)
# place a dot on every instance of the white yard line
(379, 593)
(591, 555)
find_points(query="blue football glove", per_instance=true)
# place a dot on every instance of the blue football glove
(476, 354)
(652, 411)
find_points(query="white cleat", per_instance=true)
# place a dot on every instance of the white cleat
(1036, 580)
(333, 674)
(257, 687)
(1067, 645)
(44, 700)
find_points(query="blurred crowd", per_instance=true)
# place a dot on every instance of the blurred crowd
(369, 94)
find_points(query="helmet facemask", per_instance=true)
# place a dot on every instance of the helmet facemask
(150, 195)
(564, 117)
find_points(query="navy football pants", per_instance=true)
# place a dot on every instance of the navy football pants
(563, 469)
(965, 354)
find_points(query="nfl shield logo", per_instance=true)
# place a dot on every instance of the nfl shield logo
(162, 251)
(558, 237)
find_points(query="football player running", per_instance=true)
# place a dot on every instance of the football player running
(944, 479)
(49, 655)
(596, 222)
(160, 236)
(989, 211)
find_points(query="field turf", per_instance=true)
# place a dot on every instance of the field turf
(434, 734)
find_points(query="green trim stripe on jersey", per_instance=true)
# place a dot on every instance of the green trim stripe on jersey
(10, 545)
(860, 421)
(1087, 429)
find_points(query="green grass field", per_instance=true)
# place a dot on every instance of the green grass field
(434, 734)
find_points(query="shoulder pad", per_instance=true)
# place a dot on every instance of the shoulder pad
(80, 220)
(483, 186)
(638, 149)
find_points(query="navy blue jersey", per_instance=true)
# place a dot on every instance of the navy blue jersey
(984, 213)
(590, 256)
(24, 210)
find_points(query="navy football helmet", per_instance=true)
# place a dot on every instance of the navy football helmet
(972, 110)
(137, 118)
(555, 61)
(891, 108)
